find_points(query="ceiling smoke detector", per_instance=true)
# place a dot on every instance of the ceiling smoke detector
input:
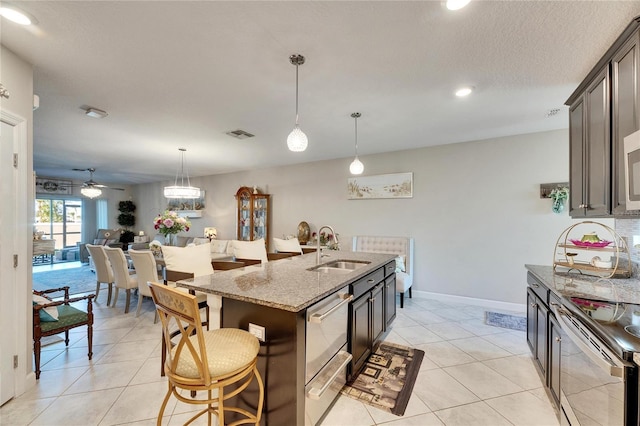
(552, 112)
(240, 134)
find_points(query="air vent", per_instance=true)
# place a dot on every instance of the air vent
(240, 134)
(552, 112)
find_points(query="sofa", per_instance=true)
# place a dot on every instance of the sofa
(400, 246)
(104, 237)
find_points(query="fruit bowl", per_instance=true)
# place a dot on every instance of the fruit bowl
(589, 244)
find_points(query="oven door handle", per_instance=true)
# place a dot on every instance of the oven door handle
(317, 318)
(612, 365)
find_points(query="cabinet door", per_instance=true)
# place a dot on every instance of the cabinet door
(360, 332)
(377, 313)
(389, 300)
(555, 342)
(244, 215)
(625, 89)
(541, 337)
(532, 310)
(576, 159)
(598, 146)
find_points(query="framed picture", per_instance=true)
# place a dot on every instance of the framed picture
(396, 185)
(53, 186)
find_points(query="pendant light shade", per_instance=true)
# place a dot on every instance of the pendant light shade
(182, 190)
(91, 191)
(356, 167)
(297, 141)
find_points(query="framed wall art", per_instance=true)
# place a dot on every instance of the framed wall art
(395, 185)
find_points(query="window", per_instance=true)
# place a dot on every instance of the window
(60, 220)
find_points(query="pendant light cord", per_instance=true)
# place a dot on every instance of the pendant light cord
(356, 119)
(296, 94)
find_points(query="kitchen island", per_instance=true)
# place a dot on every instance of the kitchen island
(276, 296)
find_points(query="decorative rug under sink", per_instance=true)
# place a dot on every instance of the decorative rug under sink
(387, 379)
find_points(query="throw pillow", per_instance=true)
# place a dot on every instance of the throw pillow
(219, 246)
(193, 259)
(49, 314)
(400, 264)
(291, 245)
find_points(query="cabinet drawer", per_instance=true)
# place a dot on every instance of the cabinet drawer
(538, 288)
(367, 282)
(389, 268)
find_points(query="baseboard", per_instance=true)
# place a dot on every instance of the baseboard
(485, 303)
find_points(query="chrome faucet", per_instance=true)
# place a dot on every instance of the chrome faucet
(319, 250)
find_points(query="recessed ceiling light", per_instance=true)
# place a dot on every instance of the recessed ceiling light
(464, 91)
(16, 15)
(457, 4)
(96, 113)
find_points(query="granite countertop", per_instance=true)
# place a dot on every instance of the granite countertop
(286, 283)
(625, 290)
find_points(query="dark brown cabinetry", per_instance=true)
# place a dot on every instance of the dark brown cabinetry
(543, 335)
(603, 110)
(590, 160)
(625, 118)
(555, 353)
(371, 313)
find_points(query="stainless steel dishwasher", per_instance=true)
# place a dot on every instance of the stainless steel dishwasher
(326, 356)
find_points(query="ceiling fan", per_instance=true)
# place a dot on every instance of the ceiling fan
(90, 187)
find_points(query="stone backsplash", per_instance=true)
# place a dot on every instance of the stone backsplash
(629, 229)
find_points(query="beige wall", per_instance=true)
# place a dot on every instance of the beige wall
(476, 215)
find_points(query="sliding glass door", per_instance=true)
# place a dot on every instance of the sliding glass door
(60, 220)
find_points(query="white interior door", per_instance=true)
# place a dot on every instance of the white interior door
(8, 280)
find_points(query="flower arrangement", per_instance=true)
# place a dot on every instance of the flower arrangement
(559, 196)
(326, 239)
(169, 223)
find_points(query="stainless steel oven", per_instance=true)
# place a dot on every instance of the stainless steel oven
(326, 353)
(598, 386)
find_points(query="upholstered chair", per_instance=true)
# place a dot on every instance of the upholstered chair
(104, 273)
(124, 280)
(250, 250)
(400, 246)
(146, 271)
(209, 361)
(287, 246)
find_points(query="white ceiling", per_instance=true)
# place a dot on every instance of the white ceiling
(181, 74)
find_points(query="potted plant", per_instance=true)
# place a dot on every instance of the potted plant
(127, 220)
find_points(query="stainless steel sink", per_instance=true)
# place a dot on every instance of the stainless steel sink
(339, 266)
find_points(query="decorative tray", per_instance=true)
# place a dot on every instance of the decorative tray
(594, 244)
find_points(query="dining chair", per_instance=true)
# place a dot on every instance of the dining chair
(146, 271)
(121, 274)
(291, 245)
(210, 361)
(250, 250)
(104, 273)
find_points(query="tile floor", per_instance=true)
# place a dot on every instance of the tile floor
(472, 374)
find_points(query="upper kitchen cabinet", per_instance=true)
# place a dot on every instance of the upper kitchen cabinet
(603, 110)
(253, 215)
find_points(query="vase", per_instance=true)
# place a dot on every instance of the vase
(558, 206)
(170, 240)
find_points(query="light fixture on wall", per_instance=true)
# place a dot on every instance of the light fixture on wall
(356, 167)
(90, 191)
(297, 141)
(182, 190)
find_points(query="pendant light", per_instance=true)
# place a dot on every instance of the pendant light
(181, 191)
(356, 167)
(297, 141)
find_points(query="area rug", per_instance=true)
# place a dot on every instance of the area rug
(513, 322)
(79, 280)
(387, 379)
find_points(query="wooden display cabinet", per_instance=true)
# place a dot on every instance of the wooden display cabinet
(253, 215)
